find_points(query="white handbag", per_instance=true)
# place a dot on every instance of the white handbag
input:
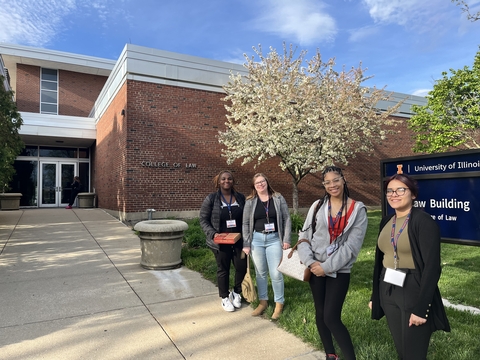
(291, 265)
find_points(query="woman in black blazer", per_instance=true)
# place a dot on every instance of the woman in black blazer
(406, 273)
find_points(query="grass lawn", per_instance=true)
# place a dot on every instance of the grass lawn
(459, 284)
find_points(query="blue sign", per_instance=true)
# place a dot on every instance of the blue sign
(449, 190)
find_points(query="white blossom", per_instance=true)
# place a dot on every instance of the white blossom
(303, 112)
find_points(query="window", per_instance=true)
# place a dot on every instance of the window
(49, 91)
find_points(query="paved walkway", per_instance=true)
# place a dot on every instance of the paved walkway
(72, 288)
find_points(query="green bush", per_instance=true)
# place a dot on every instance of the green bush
(194, 236)
(297, 222)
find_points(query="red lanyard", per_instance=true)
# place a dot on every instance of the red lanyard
(333, 222)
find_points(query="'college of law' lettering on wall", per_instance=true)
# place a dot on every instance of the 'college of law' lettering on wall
(167, 165)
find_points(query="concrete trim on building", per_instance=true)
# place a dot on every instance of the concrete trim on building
(39, 129)
(17, 54)
(166, 68)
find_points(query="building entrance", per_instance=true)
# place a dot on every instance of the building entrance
(56, 178)
(44, 174)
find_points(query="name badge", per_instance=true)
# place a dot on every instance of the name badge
(395, 277)
(270, 227)
(332, 248)
(231, 224)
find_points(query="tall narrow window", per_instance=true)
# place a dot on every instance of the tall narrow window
(49, 92)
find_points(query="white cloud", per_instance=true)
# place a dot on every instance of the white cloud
(360, 34)
(421, 92)
(421, 16)
(32, 22)
(306, 21)
(38, 22)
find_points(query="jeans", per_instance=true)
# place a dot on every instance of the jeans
(266, 254)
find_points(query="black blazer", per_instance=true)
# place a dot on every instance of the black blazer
(424, 237)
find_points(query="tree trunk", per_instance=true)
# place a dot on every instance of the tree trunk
(295, 197)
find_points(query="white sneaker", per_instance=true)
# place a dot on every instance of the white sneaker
(227, 304)
(235, 299)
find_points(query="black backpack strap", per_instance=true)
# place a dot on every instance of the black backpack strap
(314, 220)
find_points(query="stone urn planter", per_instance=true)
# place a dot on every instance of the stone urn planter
(161, 243)
(10, 201)
(86, 200)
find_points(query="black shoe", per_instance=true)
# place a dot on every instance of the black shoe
(332, 357)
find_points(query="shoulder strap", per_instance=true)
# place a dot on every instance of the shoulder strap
(295, 247)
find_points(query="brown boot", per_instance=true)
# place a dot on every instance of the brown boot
(278, 311)
(260, 308)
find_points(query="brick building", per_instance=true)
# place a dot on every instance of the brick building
(141, 132)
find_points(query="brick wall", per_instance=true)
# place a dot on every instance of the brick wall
(77, 92)
(167, 128)
(28, 88)
(109, 161)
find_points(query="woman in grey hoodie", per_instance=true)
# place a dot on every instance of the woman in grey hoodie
(335, 228)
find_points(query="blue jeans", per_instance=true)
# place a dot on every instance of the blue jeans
(266, 254)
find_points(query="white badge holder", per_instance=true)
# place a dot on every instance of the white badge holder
(231, 224)
(395, 277)
(270, 227)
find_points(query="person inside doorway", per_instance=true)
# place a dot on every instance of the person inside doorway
(76, 188)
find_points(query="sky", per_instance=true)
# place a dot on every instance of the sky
(404, 45)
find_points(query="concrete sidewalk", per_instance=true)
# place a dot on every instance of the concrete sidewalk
(72, 288)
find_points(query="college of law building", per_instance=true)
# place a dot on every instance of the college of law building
(141, 132)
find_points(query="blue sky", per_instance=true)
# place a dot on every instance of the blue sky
(404, 44)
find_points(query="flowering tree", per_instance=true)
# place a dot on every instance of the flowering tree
(303, 112)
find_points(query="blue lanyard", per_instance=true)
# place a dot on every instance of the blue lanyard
(266, 208)
(394, 239)
(229, 205)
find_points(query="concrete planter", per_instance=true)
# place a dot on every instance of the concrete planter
(161, 243)
(86, 200)
(10, 201)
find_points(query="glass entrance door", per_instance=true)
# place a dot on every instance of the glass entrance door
(55, 183)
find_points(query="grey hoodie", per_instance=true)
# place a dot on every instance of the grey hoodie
(349, 243)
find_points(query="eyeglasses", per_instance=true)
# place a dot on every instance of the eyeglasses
(261, 182)
(333, 181)
(398, 192)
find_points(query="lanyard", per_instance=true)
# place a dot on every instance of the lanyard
(266, 208)
(332, 222)
(394, 239)
(229, 205)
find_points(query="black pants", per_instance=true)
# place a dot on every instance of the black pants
(411, 342)
(224, 257)
(329, 295)
(73, 195)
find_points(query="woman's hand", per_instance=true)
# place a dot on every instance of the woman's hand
(286, 246)
(317, 269)
(246, 250)
(416, 320)
(370, 305)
